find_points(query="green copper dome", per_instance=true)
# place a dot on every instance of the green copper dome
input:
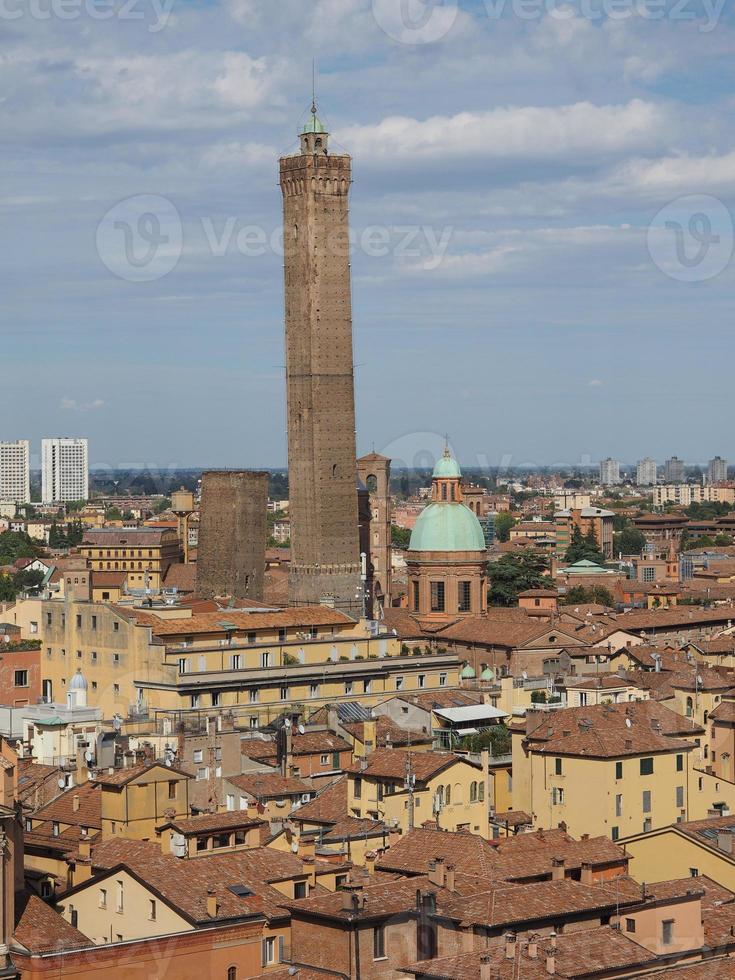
(447, 526)
(313, 124)
(487, 675)
(468, 673)
(446, 467)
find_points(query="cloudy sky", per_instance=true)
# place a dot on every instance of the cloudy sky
(541, 207)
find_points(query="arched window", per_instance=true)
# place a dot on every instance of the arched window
(444, 491)
(448, 794)
(457, 793)
(440, 796)
(372, 483)
(706, 716)
(690, 707)
(473, 792)
(232, 973)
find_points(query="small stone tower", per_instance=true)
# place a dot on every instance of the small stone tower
(322, 470)
(374, 472)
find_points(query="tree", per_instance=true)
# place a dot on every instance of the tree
(161, 505)
(578, 595)
(504, 521)
(583, 547)
(113, 514)
(400, 536)
(496, 738)
(723, 539)
(514, 574)
(630, 541)
(14, 545)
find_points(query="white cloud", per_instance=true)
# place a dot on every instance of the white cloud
(72, 405)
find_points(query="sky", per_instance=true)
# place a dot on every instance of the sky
(542, 218)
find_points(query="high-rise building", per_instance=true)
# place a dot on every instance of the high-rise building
(64, 470)
(674, 470)
(15, 472)
(322, 467)
(645, 472)
(232, 534)
(717, 470)
(609, 472)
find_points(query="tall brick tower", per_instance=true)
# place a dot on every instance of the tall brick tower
(325, 558)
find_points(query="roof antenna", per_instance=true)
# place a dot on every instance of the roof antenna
(313, 86)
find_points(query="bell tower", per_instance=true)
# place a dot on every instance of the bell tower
(325, 558)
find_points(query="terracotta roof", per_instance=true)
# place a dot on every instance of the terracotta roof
(391, 764)
(61, 810)
(442, 699)
(725, 711)
(242, 621)
(605, 682)
(529, 856)
(116, 537)
(678, 616)
(610, 730)
(119, 777)
(710, 969)
(181, 577)
(42, 930)
(329, 807)
(388, 731)
(205, 822)
(310, 743)
(468, 853)
(115, 580)
(577, 954)
(503, 633)
(266, 785)
(514, 818)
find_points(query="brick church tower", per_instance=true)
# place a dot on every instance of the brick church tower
(325, 556)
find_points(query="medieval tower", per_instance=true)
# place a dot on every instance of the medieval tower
(325, 559)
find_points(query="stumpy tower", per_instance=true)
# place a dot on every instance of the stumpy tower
(325, 557)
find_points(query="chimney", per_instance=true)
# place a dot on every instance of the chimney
(212, 906)
(370, 735)
(75, 802)
(586, 875)
(370, 859)
(437, 875)
(449, 878)
(307, 847)
(724, 840)
(557, 868)
(510, 945)
(533, 946)
(486, 967)
(351, 894)
(550, 965)
(552, 940)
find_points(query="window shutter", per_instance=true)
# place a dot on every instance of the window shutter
(280, 949)
(263, 953)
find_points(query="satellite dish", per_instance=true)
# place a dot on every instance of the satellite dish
(287, 722)
(302, 730)
(294, 848)
(61, 783)
(699, 679)
(88, 756)
(628, 723)
(167, 762)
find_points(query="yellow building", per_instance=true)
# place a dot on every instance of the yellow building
(404, 789)
(699, 847)
(144, 553)
(251, 663)
(610, 769)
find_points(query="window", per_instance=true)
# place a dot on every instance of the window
(680, 763)
(615, 833)
(357, 788)
(422, 680)
(618, 770)
(94, 622)
(172, 789)
(115, 627)
(116, 658)
(680, 796)
(152, 909)
(230, 801)
(416, 596)
(253, 695)
(20, 678)
(646, 801)
(54, 829)
(281, 635)
(265, 659)
(103, 898)
(619, 805)
(235, 661)
(473, 792)
(442, 680)
(379, 942)
(198, 755)
(647, 825)
(202, 773)
(284, 692)
(557, 796)
(464, 597)
(194, 700)
(348, 687)
(630, 925)
(269, 951)
(251, 637)
(79, 621)
(323, 760)
(694, 872)
(558, 767)
(94, 656)
(646, 767)
(667, 932)
(437, 596)
(120, 897)
(232, 973)
(313, 690)
(215, 699)
(399, 683)
(299, 889)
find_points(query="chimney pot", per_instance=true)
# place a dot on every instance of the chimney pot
(75, 802)
(533, 946)
(510, 946)
(550, 965)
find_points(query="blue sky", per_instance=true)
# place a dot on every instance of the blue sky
(542, 216)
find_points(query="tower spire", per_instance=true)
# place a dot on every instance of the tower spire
(313, 86)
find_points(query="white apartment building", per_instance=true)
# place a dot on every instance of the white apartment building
(609, 472)
(15, 472)
(645, 473)
(717, 470)
(64, 470)
(692, 493)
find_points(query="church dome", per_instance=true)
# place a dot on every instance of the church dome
(447, 526)
(468, 672)
(447, 468)
(78, 681)
(313, 125)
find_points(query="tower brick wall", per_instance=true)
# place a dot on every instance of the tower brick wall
(319, 378)
(232, 534)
